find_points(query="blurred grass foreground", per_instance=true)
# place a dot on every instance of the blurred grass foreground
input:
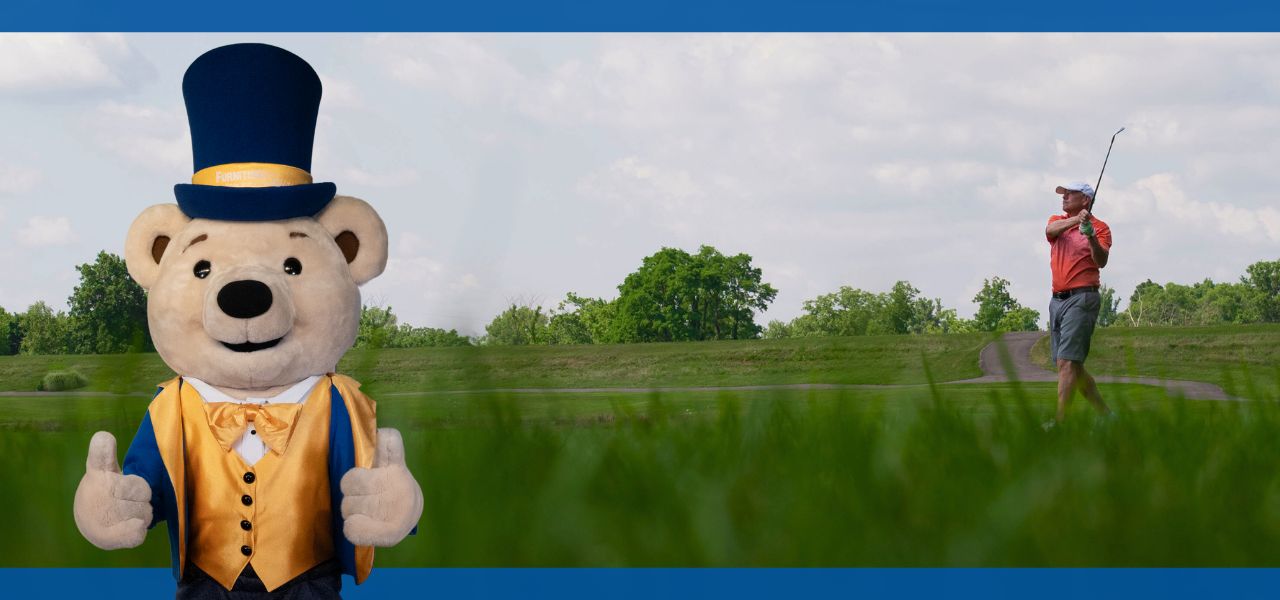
(922, 475)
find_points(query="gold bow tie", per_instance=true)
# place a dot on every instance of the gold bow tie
(273, 422)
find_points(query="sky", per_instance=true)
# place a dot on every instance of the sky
(515, 168)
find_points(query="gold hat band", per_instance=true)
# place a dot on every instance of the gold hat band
(251, 174)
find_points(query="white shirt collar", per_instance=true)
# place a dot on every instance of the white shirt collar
(293, 395)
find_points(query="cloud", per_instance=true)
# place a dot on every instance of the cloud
(426, 288)
(340, 93)
(638, 195)
(833, 159)
(46, 231)
(1164, 195)
(68, 66)
(462, 66)
(154, 139)
(631, 185)
(16, 180)
(385, 179)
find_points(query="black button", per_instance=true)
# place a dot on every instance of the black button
(253, 432)
(246, 525)
(249, 477)
(245, 550)
(246, 499)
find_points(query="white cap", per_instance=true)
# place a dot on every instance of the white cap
(1076, 186)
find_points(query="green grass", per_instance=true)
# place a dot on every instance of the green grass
(948, 476)
(907, 476)
(121, 373)
(1235, 357)
(1243, 359)
(878, 359)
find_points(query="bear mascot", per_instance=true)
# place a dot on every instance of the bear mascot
(267, 467)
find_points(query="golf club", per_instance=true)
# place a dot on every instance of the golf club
(1104, 169)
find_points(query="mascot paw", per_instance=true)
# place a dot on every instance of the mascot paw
(112, 510)
(381, 505)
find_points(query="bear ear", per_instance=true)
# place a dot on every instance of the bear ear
(149, 238)
(359, 233)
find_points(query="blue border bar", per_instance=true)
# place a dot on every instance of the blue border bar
(700, 584)
(640, 15)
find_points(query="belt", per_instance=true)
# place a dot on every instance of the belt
(1063, 295)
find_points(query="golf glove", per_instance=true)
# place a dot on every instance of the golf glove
(1086, 227)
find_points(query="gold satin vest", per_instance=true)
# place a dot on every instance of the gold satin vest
(276, 514)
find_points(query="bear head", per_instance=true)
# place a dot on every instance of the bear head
(253, 305)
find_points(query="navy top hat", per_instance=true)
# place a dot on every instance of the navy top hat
(252, 110)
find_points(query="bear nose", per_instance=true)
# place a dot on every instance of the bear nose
(244, 299)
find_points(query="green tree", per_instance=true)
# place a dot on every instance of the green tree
(10, 333)
(44, 332)
(908, 312)
(407, 336)
(582, 320)
(1203, 303)
(1019, 319)
(901, 310)
(1145, 294)
(654, 303)
(677, 296)
(995, 302)
(108, 309)
(377, 327)
(1227, 303)
(948, 322)
(733, 291)
(567, 328)
(851, 311)
(778, 330)
(380, 328)
(1264, 278)
(1107, 314)
(847, 311)
(518, 326)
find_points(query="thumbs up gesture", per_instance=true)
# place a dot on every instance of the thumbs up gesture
(381, 505)
(112, 510)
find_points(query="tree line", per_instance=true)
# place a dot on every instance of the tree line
(674, 295)
(108, 315)
(1254, 299)
(902, 310)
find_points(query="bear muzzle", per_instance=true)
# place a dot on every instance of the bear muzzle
(248, 310)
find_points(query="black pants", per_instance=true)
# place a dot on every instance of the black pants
(321, 582)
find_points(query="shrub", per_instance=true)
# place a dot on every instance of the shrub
(57, 381)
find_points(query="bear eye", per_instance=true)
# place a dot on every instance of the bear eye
(202, 269)
(292, 266)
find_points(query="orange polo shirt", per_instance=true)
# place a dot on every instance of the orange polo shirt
(1070, 258)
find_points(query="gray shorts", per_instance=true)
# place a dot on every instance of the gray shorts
(1071, 324)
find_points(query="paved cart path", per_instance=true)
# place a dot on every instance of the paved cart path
(1016, 346)
(1020, 367)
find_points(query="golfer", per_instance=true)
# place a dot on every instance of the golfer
(1080, 245)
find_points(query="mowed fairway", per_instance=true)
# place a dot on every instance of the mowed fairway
(913, 476)
(865, 360)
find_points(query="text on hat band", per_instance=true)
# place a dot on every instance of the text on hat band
(251, 174)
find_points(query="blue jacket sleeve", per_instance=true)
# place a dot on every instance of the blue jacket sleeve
(143, 459)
